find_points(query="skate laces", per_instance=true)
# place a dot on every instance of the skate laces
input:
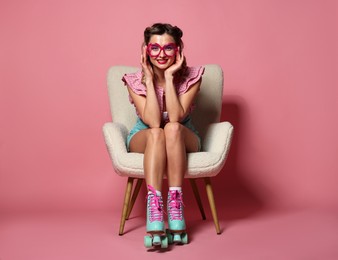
(155, 204)
(175, 205)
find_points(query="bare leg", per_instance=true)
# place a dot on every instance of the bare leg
(179, 140)
(151, 142)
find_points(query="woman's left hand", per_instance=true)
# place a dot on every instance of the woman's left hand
(169, 72)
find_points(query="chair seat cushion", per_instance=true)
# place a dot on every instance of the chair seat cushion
(200, 164)
(207, 163)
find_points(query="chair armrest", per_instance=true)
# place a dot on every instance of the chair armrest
(218, 138)
(124, 163)
(115, 136)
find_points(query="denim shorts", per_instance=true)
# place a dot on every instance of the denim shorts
(140, 125)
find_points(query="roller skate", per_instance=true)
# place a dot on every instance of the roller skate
(176, 231)
(155, 222)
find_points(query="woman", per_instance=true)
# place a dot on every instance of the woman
(163, 94)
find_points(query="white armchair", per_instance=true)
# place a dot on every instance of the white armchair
(216, 137)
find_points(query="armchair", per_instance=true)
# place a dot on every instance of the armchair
(216, 138)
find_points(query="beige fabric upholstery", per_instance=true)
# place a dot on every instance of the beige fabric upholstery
(216, 136)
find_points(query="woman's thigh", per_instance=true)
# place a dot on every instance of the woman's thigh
(139, 140)
(191, 140)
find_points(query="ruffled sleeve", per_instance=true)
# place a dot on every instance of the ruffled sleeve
(134, 81)
(194, 74)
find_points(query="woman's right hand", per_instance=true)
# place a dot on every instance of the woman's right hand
(147, 70)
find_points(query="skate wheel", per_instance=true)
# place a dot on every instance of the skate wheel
(177, 238)
(148, 241)
(184, 238)
(170, 237)
(164, 242)
(156, 240)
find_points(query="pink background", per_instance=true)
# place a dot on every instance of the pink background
(280, 92)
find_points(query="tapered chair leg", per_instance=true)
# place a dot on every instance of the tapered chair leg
(126, 202)
(212, 203)
(197, 197)
(134, 197)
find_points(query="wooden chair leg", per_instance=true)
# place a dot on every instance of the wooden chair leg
(197, 197)
(212, 203)
(126, 204)
(134, 197)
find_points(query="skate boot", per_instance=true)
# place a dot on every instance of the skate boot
(176, 231)
(155, 222)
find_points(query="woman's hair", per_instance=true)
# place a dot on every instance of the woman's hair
(173, 31)
(162, 28)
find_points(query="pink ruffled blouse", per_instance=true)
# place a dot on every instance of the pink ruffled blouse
(134, 81)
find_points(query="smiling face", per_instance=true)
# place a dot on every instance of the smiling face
(162, 61)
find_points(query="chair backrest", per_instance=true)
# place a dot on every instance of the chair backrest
(208, 101)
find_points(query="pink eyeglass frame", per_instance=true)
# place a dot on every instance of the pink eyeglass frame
(161, 49)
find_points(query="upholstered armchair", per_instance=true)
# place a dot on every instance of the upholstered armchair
(216, 138)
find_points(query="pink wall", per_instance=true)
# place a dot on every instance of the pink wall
(280, 65)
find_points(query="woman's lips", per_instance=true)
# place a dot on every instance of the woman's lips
(162, 61)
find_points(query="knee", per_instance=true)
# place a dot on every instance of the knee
(173, 131)
(156, 135)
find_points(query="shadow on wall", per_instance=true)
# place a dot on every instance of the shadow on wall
(234, 197)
